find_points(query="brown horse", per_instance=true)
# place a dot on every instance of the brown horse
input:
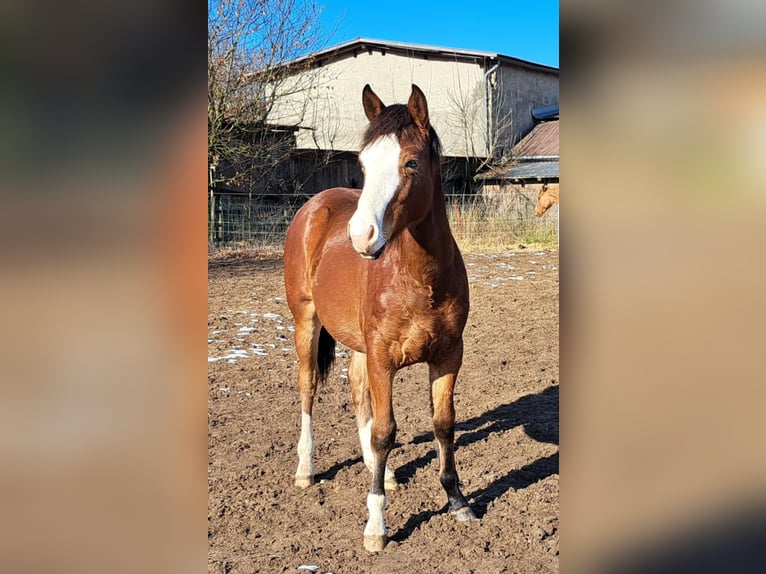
(547, 198)
(379, 271)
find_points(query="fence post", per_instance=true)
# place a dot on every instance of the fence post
(211, 218)
(219, 226)
(250, 212)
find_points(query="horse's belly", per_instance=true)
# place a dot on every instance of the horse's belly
(341, 323)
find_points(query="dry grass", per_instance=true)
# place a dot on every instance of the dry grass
(245, 250)
(480, 226)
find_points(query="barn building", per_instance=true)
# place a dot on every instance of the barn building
(480, 103)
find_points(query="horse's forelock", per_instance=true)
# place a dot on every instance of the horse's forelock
(396, 119)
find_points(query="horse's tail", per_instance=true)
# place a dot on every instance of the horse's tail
(325, 354)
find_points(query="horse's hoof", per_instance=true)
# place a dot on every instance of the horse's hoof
(464, 514)
(304, 481)
(374, 542)
(390, 484)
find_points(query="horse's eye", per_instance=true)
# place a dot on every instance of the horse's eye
(412, 164)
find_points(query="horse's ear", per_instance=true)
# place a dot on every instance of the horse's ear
(418, 107)
(371, 102)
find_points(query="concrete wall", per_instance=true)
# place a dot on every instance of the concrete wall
(517, 91)
(327, 102)
(333, 103)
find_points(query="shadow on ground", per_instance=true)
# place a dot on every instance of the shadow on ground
(539, 415)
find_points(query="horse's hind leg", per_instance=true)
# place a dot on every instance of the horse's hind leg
(307, 330)
(360, 392)
(442, 387)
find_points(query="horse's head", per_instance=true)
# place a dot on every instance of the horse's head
(400, 162)
(545, 199)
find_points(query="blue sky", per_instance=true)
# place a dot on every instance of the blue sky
(527, 30)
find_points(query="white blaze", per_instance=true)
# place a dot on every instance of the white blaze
(381, 180)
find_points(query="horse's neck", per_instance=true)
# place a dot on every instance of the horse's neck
(427, 247)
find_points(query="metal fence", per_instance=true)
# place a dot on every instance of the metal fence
(479, 222)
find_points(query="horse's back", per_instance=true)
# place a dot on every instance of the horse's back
(318, 217)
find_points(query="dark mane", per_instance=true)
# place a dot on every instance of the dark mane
(396, 119)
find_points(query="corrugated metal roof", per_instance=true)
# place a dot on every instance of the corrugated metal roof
(420, 49)
(523, 171)
(534, 170)
(541, 142)
(410, 46)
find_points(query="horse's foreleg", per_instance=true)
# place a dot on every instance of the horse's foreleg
(360, 392)
(306, 344)
(382, 436)
(442, 388)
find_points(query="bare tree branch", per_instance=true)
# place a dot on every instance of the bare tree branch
(249, 44)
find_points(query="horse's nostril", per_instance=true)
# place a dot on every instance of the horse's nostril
(370, 232)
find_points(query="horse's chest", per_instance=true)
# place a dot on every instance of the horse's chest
(418, 330)
(415, 342)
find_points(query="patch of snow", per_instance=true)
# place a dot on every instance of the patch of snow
(231, 357)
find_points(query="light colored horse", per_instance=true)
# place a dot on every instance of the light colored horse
(548, 196)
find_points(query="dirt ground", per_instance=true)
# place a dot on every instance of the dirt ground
(507, 402)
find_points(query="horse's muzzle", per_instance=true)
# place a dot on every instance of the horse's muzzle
(366, 240)
(376, 254)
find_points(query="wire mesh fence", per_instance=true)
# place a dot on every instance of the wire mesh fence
(480, 223)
